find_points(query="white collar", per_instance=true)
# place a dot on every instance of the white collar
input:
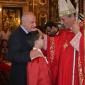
(24, 29)
(38, 49)
(34, 48)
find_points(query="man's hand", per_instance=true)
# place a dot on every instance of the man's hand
(75, 28)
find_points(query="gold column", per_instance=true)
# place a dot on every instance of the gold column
(53, 10)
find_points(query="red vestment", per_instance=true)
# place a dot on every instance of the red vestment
(38, 72)
(66, 60)
(65, 74)
(60, 57)
(81, 61)
(53, 51)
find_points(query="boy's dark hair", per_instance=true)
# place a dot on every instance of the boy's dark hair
(32, 37)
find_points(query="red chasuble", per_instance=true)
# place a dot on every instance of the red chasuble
(81, 61)
(65, 74)
(53, 52)
(66, 60)
(38, 72)
(60, 56)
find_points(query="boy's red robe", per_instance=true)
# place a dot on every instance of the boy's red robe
(38, 72)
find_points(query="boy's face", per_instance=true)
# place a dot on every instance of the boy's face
(40, 41)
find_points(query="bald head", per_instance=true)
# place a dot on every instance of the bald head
(29, 20)
(27, 16)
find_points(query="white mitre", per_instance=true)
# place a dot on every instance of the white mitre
(65, 8)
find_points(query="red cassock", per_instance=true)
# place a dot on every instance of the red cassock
(65, 74)
(53, 52)
(66, 60)
(82, 51)
(38, 72)
(81, 61)
(60, 55)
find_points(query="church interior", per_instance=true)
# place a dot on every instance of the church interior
(44, 9)
(11, 12)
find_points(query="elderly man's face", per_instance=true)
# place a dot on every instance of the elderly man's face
(69, 20)
(31, 23)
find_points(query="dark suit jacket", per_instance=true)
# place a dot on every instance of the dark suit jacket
(18, 54)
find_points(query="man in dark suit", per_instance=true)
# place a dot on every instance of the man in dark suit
(18, 49)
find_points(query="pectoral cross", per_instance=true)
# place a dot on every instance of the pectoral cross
(65, 45)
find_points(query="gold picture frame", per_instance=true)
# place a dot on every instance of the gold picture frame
(11, 17)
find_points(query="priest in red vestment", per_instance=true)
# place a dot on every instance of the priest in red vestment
(65, 67)
(53, 48)
(71, 57)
